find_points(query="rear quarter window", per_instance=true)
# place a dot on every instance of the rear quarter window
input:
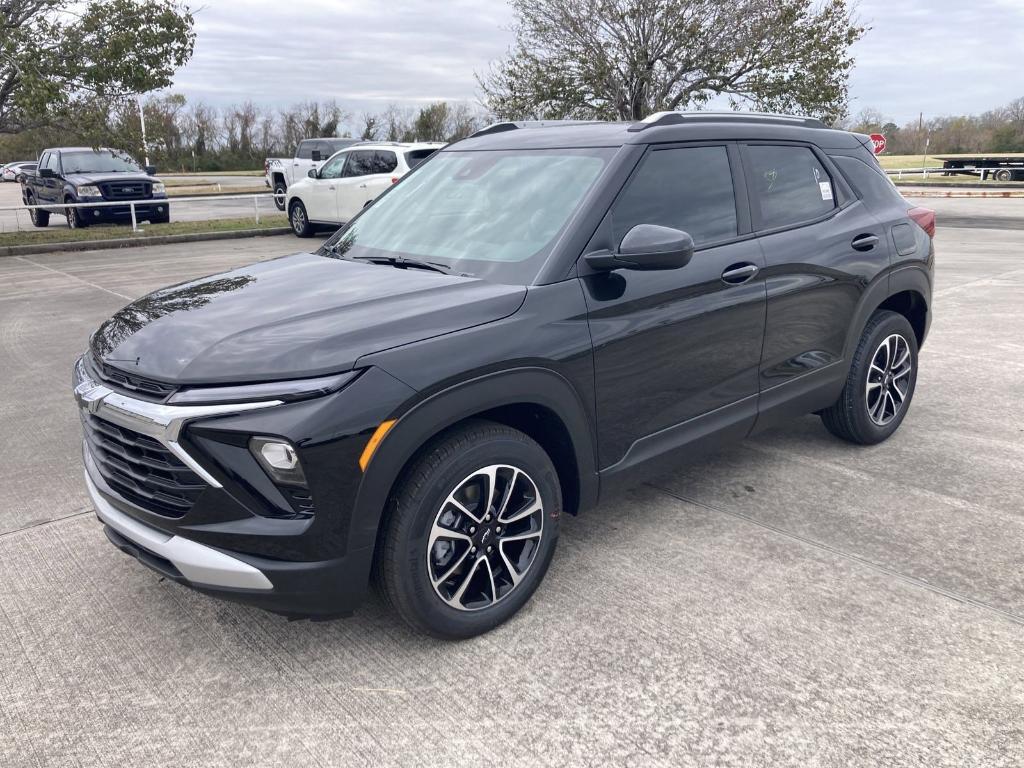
(870, 183)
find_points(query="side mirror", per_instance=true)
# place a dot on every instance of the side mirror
(46, 173)
(150, 170)
(646, 247)
(311, 173)
(317, 157)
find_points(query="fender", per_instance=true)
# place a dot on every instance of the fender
(912, 277)
(424, 419)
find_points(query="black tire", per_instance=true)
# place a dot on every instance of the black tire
(74, 216)
(280, 188)
(867, 419)
(299, 219)
(40, 218)
(1003, 175)
(407, 553)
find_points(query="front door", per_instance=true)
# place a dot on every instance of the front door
(676, 352)
(321, 197)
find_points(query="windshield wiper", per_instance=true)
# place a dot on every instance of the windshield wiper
(403, 262)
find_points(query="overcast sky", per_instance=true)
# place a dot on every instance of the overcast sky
(936, 56)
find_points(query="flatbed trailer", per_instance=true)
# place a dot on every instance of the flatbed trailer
(1007, 167)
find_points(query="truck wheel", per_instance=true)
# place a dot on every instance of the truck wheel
(880, 384)
(1003, 174)
(74, 216)
(299, 220)
(280, 188)
(40, 218)
(470, 530)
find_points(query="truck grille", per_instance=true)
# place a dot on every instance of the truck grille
(126, 190)
(141, 469)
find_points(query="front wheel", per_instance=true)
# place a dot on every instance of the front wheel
(74, 217)
(470, 531)
(299, 219)
(880, 384)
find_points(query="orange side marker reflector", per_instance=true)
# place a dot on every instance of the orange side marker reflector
(375, 438)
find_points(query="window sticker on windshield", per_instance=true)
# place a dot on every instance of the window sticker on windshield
(826, 190)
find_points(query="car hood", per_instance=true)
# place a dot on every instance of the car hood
(78, 179)
(292, 317)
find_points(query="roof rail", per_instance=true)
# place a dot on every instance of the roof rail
(511, 125)
(676, 118)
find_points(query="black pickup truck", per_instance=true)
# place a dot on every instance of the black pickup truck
(84, 175)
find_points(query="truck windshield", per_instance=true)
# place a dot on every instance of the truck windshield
(99, 161)
(492, 214)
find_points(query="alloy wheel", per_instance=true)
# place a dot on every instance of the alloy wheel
(888, 380)
(298, 219)
(485, 537)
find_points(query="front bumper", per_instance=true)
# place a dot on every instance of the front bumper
(149, 210)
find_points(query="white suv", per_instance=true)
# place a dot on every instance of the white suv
(349, 181)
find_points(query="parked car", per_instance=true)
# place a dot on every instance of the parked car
(21, 171)
(310, 154)
(535, 317)
(349, 181)
(9, 172)
(84, 175)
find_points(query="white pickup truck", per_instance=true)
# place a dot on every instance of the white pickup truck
(282, 172)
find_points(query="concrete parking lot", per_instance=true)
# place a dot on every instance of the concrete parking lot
(791, 600)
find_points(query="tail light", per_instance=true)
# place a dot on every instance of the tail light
(924, 218)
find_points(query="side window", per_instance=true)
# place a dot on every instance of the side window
(44, 160)
(305, 150)
(871, 184)
(53, 162)
(384, 162)
(790, 185)
(334, 167)
(688, 188)
(360, 162)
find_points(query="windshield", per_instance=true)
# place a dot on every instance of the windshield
(100, 161)
(485, 213)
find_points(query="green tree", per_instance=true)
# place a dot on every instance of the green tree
(624, 59)
(58, 55)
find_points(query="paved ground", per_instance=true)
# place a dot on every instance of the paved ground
(789, 601)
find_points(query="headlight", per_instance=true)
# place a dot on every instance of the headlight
(297, 389)
(89, 190)
(159, 188)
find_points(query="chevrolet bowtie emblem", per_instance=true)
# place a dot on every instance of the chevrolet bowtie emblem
(89, 395)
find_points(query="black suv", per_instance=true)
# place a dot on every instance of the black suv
(535, 316)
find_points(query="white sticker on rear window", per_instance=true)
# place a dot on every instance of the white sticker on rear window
(826, 190)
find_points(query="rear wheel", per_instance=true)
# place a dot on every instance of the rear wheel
(299, 219)
(1003, 175)
(880, 384)
(40, 218)
(470, 531)
(279, 192)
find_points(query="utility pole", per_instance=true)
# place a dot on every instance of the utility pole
(142, 120)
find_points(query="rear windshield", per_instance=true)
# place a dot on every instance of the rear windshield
(416, 156)
(100, 161)
(493, 214)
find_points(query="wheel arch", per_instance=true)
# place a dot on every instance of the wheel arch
(907, 291)
(551, 413)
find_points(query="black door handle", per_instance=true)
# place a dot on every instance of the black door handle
(739, 273)
(864, 242)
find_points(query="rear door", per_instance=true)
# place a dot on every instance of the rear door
(822, 247)
(368, 173)
(671, 347)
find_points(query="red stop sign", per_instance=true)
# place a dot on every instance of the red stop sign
(879, 141)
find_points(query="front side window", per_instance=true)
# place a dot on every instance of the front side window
(493, 214)
(687, 188)
(790, 184)
(333, 168)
